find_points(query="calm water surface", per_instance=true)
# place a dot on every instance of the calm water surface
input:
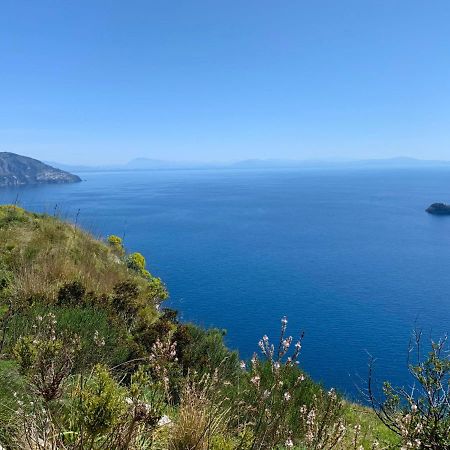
(349, 256)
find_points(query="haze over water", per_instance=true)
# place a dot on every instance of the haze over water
(350, 257)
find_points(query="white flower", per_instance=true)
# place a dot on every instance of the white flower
(165, 420)
(289, 443)
(255, 380)
(284, 321)
(243, 366)
(287, 396)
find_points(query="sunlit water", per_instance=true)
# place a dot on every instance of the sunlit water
(350, 257)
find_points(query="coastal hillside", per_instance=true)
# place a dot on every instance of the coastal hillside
(91, 359)
(17, 170)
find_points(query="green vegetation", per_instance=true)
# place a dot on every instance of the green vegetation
(90, 360)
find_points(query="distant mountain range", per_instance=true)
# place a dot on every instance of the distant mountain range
(17, 170)
(156, 164)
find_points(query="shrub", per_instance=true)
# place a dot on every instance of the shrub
(46, 358)
(71, 293)
(100, 339)
(420, 416)
(116, 243)
(136, 261)
(125, 299)
(204, 351)
(100, 403)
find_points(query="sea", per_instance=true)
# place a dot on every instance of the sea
(349, 256)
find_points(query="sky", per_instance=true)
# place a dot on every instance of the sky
(105, 81)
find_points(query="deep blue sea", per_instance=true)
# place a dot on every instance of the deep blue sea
(349, 256)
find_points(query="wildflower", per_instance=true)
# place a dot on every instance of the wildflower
(255, 380)
(284, 321)
(266, 394)
(98, 340)
(286, 343)
(261, 346)
(243, 365)
(287, 396)
(165, 420)
(276, 365)
(289, 443)
(413, 408)
(311, 417)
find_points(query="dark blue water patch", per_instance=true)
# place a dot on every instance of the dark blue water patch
(349, 256)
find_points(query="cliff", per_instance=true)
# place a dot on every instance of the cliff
(17, 170)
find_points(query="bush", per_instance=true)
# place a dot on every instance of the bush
(100, 402)
(204, 351)
(116, 243)
(46, 358)
(136, 262)
(100, 339)
(71, 293)
(420, 416)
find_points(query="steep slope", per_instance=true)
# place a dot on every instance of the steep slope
(17, 170)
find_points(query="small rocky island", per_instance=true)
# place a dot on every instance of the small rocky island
(441, 209)
(17, 170)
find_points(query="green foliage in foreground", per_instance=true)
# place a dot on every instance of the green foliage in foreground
(89, 360)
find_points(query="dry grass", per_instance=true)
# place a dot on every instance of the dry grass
(200, 417)
(43, 253)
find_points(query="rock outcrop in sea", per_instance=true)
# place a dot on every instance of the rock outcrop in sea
(441, 209)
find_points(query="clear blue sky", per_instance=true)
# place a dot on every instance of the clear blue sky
(91, 81)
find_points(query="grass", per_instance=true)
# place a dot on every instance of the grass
(371, 427)
(43, 252)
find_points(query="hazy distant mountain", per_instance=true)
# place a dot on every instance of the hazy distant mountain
(17, 170)
(158, 164)
(398, 162)
(148, 163)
